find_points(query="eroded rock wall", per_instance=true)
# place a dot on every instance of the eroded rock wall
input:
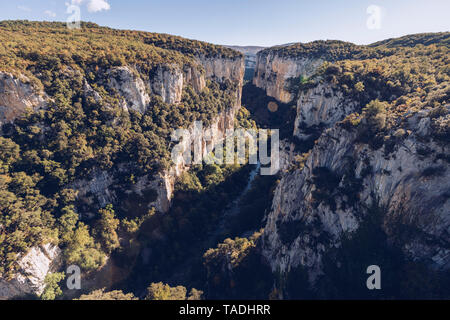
(411, 186)
(272, 73)
(16, 95)
(33, 268)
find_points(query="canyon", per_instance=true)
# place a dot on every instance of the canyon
(342, 168)
(393, 178)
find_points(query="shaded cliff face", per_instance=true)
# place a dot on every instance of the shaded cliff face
(16, 95)
(273, 71)
(277, 66)
(314, 207)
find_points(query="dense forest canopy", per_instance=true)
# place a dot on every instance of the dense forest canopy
(329, 50)
(438, 38)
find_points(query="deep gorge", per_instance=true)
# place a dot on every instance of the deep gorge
(86, 176)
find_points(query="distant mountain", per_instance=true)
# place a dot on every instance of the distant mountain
(246, 50)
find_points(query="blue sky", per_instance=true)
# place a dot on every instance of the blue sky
(249, 22)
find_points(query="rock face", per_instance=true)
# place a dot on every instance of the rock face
(409, 184)
(218, 69)
(221, 69)
(320, 107)
(17, 94)
(130, 86)
(33, 268)
(164, 183)
(168, 82)
(99, 186)
(273, 71)
(96, 185)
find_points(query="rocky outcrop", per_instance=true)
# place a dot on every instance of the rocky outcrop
(319, 108)
(168, 82)
(272, 73)
(33, 268)
(99, 187)
(131, 88)
(220, 69)
(16, 95)
(409, 184)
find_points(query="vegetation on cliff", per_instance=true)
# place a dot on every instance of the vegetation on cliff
(392, 95)
(79, 134)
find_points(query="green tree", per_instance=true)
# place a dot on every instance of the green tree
(106, 229)
(52, 289)
(9, 153)
(359, 86)
(109, 295)
(83, 251)
(161, 291)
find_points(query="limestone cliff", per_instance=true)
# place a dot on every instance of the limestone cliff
(33, 268)
(319, 108)
(16, 95)
(272, 72)
(409, 184)
(164, 182)
(168, 82)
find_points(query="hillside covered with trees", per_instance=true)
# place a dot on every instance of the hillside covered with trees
(43, 152)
